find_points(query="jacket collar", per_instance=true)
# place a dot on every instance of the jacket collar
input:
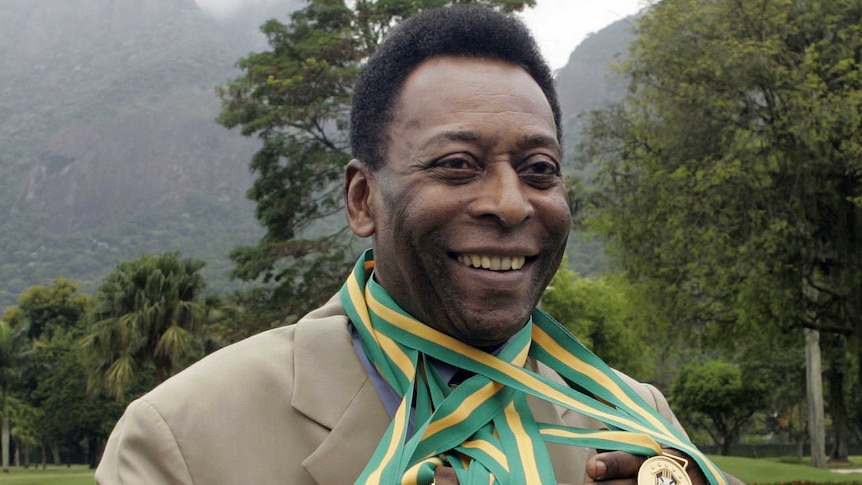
(332, 388)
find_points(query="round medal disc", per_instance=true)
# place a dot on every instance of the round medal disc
(662, 470)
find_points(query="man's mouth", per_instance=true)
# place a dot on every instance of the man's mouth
(494, 263)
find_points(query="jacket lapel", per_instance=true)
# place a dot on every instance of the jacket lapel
(332, 388)
(570, 463)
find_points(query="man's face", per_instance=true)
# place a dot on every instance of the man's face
(469, 213)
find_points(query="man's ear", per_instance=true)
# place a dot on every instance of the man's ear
(359, 189)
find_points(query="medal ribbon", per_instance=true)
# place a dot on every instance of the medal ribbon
(484, 428)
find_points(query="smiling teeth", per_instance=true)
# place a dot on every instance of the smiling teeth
(494, 263)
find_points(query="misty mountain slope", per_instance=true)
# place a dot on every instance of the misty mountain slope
(107, 110)
(241, 27)
(588, 82)
(81, 60)
(102, 89)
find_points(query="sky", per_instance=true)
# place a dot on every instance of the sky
(558, 25)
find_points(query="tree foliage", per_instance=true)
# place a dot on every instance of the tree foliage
(598, 312)
(15, 354)
(69, 414)
(296, 98)
(45, 309)
(48, 318)
(43, 369)
(715, 396)
(732, 169)
(148, 311)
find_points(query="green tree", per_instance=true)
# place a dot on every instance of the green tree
(45, 308)
(69, 414)
(715, 396)
(15, 352)
(779, 361)
(296, 98)
(733, 167)
(597, 312)
(45, 312)
(25, 433)
(148, 311)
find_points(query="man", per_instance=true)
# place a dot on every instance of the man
(425, 367)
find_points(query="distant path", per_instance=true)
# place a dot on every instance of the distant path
(846, 471)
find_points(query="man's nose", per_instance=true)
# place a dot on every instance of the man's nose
(502, 195)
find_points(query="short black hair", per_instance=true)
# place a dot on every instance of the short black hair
(459, 30)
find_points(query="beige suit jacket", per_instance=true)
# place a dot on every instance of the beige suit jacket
(292, 405)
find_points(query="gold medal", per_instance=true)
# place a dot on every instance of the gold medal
(664, 470)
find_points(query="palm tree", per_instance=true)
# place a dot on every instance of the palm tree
(15, 350)
(148, 310)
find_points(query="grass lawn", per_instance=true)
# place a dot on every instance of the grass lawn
(768, 470)
(76, 475)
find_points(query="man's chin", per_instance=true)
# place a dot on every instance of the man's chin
(489, 333)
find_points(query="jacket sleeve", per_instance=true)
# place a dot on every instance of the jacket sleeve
(142, 450)
(661, 405)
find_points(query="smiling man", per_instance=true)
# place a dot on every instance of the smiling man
(433, 364)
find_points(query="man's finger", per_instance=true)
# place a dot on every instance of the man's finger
(614, 464)
(444, 475)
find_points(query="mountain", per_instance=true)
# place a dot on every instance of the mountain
(588, 82)
(108, 145)
(241, 27)
(108, 148)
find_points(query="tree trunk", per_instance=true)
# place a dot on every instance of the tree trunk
(724, 449)
(161, 371)
(857, 418)
(837, 405)
(55, 450)
(94, 452)
(4, 447)
(814, 381)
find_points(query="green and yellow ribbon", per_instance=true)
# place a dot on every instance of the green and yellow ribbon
(484, 428)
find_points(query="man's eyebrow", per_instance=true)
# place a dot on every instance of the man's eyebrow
(455, 135)
(539, 141)
(525, 143)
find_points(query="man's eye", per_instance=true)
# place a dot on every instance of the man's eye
(456, 168)
(540, 172)
(542, 167)
(456, 163)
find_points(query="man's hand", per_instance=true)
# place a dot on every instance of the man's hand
(608, 468)
(621, 468)
(614, 467)
(444, 475)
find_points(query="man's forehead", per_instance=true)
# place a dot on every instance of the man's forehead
(447, 63)
(473, 75)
